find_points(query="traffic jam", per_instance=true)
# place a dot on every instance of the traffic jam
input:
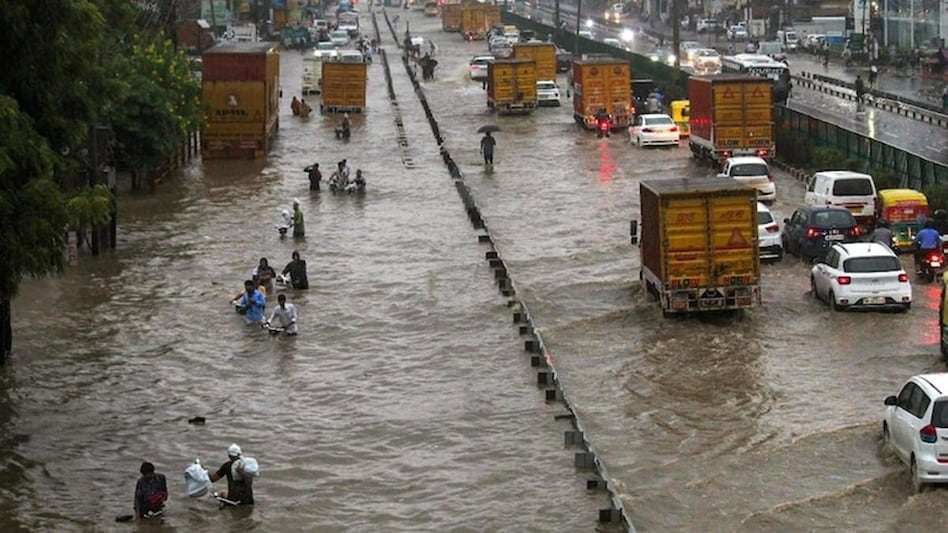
(702, 243)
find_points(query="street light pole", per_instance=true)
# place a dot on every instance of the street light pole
(676, 32)
(579, 18)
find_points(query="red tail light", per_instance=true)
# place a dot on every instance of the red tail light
(928, 434)
(646, 130)
(933, 256)
(854, 231)
(763, 153)
(903, 277)
(726, 153)
(844, 280)
(674, 128)
(773, 228)
(770, 177)
(813, 233)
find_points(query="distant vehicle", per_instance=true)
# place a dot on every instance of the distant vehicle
(686, 50)
(611, 41)
(915, 427)
(501, 49)
(768, 234)
(788, 39)
(662, 55)
(588, 34)
(616, 13)
(812, 230)
(349, 22)
(431, 9)
(861, 275)
(339, 37)
(548, 94)
(755, 65)
(564, 60)
(753, 171)
(707, 60)
(654, 129)
(478, 67)
(707, 25)
(737, 33)
(814, 42)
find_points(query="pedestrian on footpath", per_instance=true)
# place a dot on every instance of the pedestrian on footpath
(873, 74)
(944, 99)
(860, 87)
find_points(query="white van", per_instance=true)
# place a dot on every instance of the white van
(853, 190)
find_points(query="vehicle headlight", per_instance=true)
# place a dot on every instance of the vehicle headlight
(627, 35)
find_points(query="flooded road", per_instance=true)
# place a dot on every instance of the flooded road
(406, 402)
(769, 420)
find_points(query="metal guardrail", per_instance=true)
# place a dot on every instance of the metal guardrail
(911, 169)
(920, 111)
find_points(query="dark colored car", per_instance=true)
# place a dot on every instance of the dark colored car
(812, 230)
(564, 60)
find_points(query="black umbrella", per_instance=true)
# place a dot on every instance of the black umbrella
(488, 128)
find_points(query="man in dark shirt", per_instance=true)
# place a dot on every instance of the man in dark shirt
(238, 490)
(151, 492)
(297, 270)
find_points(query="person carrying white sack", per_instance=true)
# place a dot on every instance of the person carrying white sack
(239, 472)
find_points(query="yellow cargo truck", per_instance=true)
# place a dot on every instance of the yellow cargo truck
(512, 85)
(731, 115)
(478, 19)
(602, 82)
(343, 87)
(543, 53)
(451, 17)
(699, 249)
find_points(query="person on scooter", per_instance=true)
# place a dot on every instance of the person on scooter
(602, 121)
(926, 240)
(343, 132)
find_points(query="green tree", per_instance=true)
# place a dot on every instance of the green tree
(159, 102)
(32, 211)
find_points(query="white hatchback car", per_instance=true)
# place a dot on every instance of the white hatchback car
(707, 60)
(339, 37)
(752, 171)
(478, 67)
(548, 93)
(768, 234)
(654, 129)
(864, 275)
(916, 428)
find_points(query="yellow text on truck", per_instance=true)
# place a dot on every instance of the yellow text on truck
(730, 115)
(699, 249)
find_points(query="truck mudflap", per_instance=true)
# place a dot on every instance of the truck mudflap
(710, 298)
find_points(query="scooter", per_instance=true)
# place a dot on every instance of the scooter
(284, 226)
(603, 129)
(931, 264)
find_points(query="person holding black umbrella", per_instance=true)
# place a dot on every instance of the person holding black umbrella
(487, 148)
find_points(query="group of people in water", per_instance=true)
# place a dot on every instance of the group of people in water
(251, 302)
(151, 490)
(339, 180)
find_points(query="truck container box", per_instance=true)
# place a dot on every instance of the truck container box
(512, 85)
(731, 115)
(344, 86)
(543, 53)
(478, 19)
(699, 249)
(602, 82)
(451, 17)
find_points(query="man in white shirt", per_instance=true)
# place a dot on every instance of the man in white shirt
(284, 316)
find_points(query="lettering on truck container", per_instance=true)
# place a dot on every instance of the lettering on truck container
(710, 240)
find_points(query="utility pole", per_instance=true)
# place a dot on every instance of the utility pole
(676, 31)
(579, 17)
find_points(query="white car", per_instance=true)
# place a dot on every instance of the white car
(339, 37)
(654, 129)
(478, 67)
(915, 427)
(706, 25)
(861, 275)
(588, 34)
(548, 93)
(615, 13)
(687, 49)
(737, 33)
(768, 234)
(752, 171)
(512, 36)
(707, 60)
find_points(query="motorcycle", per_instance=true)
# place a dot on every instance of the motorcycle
(284, 226)
(603, 128)
(931, 264)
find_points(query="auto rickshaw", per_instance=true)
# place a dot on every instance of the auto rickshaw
(906, 211)
(680, 110)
